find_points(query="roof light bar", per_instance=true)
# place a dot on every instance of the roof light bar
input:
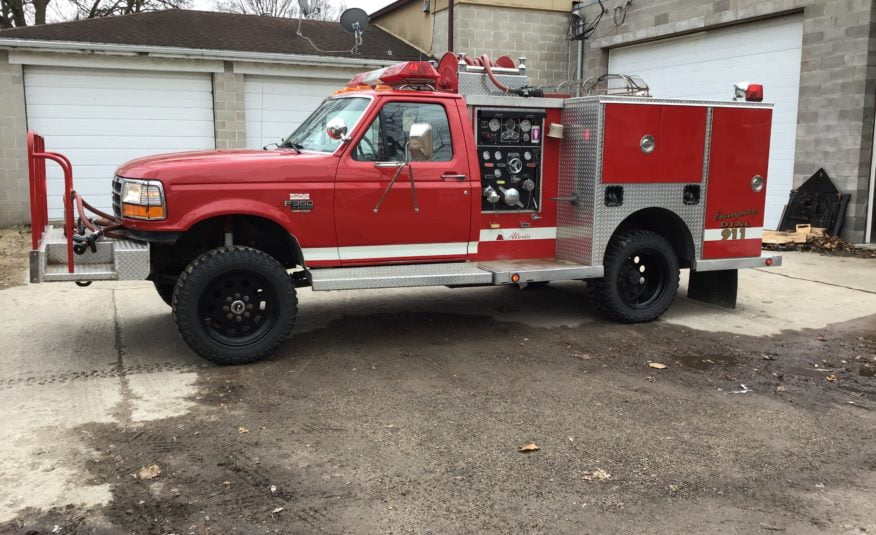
(413, 74)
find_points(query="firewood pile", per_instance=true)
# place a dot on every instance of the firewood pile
(809, 238)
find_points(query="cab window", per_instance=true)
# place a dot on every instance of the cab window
(387, 136)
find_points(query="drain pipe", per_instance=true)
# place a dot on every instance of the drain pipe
(868, 234)
(450, 25)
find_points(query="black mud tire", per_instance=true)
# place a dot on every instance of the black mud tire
(640, 280)
(247, 276)
(165, 291)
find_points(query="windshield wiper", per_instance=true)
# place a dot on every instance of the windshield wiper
(292, 145)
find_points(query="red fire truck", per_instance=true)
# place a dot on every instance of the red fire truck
(415, 176)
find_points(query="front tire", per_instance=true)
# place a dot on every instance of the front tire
(640, 279)
(234, 305)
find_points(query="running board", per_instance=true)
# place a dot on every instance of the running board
(455, 274)
(400, 276)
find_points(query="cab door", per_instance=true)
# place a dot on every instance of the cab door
(427, 220)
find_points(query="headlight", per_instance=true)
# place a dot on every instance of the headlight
(142, 199)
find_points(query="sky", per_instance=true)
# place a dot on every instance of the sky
(368, 5)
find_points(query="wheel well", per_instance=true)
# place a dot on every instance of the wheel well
(668, 225)
(168, 260)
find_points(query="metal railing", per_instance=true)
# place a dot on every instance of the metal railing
(39, 203)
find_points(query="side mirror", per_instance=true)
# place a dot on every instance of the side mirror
(420, 142)
(336, 128)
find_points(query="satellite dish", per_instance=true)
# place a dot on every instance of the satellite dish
(304, 6)
(354, 20)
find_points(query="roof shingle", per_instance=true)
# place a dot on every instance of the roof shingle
(208, 30)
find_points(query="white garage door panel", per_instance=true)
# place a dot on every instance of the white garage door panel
(705, 66)
(275, 106)
(101, 118)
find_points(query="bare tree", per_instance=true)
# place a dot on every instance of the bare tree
(319, 9)
(19, 13)
(90, 9)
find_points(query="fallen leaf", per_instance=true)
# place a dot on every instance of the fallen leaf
(657, 365)
(831, 378)
(242, 430)
(596, 475)
(767, 357)
(149, 472)
(526, 448)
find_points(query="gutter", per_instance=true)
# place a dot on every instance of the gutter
(192, 53)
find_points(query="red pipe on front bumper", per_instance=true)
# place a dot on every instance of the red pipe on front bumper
(39, 212)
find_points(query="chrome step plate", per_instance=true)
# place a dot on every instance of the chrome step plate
(115, 259)
(84, 272)
(539, 270)
(400, 276)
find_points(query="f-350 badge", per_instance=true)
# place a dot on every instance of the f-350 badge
(299, 202)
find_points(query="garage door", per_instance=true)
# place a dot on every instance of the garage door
(275, 105)
(101, 118)
(706, 65)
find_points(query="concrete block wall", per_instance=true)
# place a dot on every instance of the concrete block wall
(14, 189)
(837, 81)
(229, 114)
(540, 36)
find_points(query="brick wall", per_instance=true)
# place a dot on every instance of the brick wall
(228, 109)
(540, 36)
(837, 81)
(14, 191)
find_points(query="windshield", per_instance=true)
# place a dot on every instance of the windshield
(311, 135)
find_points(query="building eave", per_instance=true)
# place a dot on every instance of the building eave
(190, 53)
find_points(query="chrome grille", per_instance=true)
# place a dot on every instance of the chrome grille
(117, 196)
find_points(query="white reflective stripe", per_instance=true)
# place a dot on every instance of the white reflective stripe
(404, 250)
(539, 233)
(717, 234)
(472, 247)
(317, 254)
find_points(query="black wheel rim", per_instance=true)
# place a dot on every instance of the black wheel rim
(641, 280)
(238, 308)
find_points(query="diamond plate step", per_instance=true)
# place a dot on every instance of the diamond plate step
(84, 272)
(359, 278)
(115, 259)
(539, 270)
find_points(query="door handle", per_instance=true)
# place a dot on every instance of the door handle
(573, 199)
(452, 176)
(388, 165)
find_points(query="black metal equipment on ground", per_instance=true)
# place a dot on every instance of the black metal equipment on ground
(816, 202)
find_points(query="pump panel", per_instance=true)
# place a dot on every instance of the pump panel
(510, 156)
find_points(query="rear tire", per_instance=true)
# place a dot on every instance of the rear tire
(640, 280)
(234, 305)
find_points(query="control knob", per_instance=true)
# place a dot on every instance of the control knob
(515, 165)
(491, 195)
(512, 196)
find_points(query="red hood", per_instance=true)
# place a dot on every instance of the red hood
(223, 166)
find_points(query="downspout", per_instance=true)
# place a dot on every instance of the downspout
(450, 25)
(868, 234)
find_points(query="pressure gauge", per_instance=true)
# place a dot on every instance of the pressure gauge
(497, 173)
(525, 125)
(494, 124)
(486, 155)
(527, 156)
(509, 124)
(498, 155)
